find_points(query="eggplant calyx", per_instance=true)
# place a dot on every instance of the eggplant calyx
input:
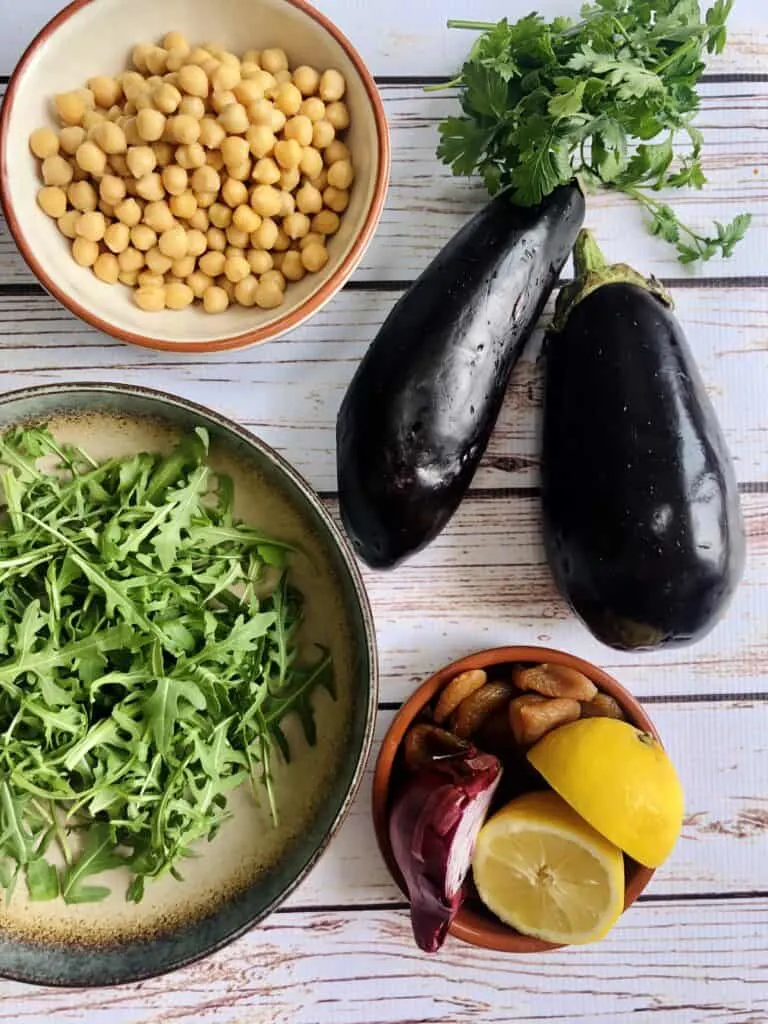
(592, 272)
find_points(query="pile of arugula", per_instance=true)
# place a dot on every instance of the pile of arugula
(142, 675)
(545, 102)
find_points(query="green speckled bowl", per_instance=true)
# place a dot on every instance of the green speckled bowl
(65, 954)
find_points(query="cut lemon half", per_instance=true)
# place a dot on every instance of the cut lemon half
(543, 870)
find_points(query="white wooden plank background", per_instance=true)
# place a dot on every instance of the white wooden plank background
(695, 949)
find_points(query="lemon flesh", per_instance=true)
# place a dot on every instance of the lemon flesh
(543, 870)
(618, 779)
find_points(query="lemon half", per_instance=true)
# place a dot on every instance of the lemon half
(543, 870)
(618, 779)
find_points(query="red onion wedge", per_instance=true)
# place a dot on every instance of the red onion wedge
(433, 827)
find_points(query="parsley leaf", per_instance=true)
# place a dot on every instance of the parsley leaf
(544, 102)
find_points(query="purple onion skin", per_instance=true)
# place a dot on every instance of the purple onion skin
(432, 850)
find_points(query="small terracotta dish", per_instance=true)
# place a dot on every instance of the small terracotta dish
(91, 38)
(474, 923)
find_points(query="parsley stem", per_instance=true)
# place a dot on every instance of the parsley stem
(654, 205)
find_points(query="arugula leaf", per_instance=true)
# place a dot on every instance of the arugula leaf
(544, 102)
(144, 638)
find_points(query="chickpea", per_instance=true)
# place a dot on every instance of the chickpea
(313, 238)
(199, 220)
(176, 41)
(247, 91)
(274, 60)
(111, 138)
(311, 162)
(57, 171)
(91, 225)
(226, 77)
(142, 102)
(178, 295)
(197, 244)
(129, 212)
(206, 199)
(289, 180)
(282, 242)
(245, 291)
(226, 285)
(107, 209)
(323, 133)
(212, 135)
(82, 195)
(191, 106)
(91, 121)
(237, 237)
(164, 153)
(252, 57)
(235, 151)
(268, 295)
(206, 179)
(131, 130)
(281, 77)
(313, 108)
(139, 55)
(309, 199)
(236, 268)
(266, 201)
(193, 80)
(133, 84)
(234, 250)
(130, 260)
(336, 199)
(335, 152)
(150, 298)
(199, 283)
(197, 55)
(111, 189)
(183, 205)
(220, 215)
(287, 204)
(173, 243)
(277, 120)
(159, 217)
(52, 200)
(265, 236)
(261, 140)
(338, 115)
(215, 160)
(71, 107)
(143, 237)
(241, 172)
(288, 99)
(129, 277)
(260, 112)
(288, 153)
(106, 91)
(266, 171)
(157, 60)
(212, 263)
(150, 187)
(149, 279)
(314, 258)
(190, 157)
(300, 129)
(306, 79)
(320, 182)
(150, 125)
(215, 299)
(44, 143)
(157, 262)
(117, 237)
(234, 193)
(175, 60)
(246, 219)
(141, 160)
(326, 222)
(259, 260)
(118, 165)
(106, 268)
(184, 129)
(292, 268)
(296, 225)
(175, 179)
(234, 118)
(71, 138)
(341, 174)
(220, 100)
(85, 252)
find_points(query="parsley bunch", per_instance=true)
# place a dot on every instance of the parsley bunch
(143, 673)
(545, 102)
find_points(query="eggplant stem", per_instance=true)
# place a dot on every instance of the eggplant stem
(587, 255)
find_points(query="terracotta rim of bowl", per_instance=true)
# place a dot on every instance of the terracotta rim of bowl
(260, 334)
(337, 538)
(472, 927)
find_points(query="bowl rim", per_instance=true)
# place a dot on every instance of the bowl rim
(470, 926)
(290, 320)
(310, 495)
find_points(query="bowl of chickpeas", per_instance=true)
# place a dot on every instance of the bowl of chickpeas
(192, 175)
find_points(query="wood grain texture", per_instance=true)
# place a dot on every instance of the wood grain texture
(733, 118)
(671, 963)
(413, 39)
(289, 391)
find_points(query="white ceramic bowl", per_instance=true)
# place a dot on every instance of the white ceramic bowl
(93, 37)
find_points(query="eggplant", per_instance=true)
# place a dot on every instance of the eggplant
(642, 521)
(420, 409)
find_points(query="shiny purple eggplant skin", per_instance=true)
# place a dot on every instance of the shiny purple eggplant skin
(642, 521)
(418, 414)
